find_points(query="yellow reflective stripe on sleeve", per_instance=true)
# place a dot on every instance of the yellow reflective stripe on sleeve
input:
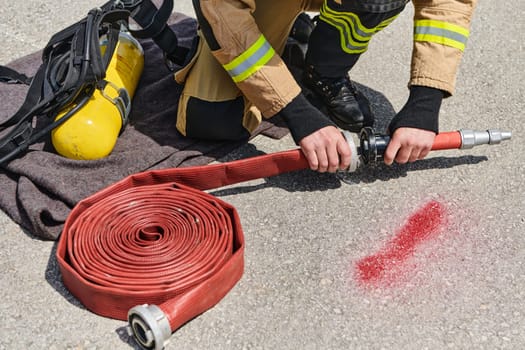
(441, 33)
(251, 60)
(354, 36)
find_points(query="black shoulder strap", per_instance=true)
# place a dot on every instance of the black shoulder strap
(31, 100)
(11, 76)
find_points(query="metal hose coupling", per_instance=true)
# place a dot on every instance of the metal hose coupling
(150, 326)
(356, 159)
(471, 138)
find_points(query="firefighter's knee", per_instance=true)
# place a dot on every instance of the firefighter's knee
(212, 120)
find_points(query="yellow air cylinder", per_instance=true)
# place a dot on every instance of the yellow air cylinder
(92, 132)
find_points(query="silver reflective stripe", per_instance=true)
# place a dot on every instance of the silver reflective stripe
(354, 35)
(443, 33)
(251, 60)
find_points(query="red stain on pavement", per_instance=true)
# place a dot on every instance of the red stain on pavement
(422, 226)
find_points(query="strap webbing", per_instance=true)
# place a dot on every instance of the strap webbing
(11, 76)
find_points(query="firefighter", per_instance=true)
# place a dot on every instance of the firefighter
(236, 76)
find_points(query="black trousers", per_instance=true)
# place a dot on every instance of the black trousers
(343, 32)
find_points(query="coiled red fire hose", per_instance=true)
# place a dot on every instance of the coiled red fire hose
(156, 238)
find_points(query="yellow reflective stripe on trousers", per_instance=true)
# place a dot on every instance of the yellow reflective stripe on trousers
(441, 33)
(354, 35)
(251, 60)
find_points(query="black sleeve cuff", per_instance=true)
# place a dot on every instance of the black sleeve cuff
(302, 118)
(421, 110)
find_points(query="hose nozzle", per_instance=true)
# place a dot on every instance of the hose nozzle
(150, 326)
(471, 138)
(373, 146)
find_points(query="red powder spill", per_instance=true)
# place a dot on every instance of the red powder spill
(422, 226)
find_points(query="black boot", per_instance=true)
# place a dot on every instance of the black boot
(346, 106)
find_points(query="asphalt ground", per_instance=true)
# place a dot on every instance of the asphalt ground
(461, 287)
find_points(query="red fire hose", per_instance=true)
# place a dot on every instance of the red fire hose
(155, 238)
(157, 244)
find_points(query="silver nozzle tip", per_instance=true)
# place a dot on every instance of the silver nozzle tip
(471, 138)
(496, 136)
(506, 135)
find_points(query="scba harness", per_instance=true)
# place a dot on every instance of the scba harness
(74, 65)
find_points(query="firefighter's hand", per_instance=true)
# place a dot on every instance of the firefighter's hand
(414, 128)
(326, 150)
(409, 145)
